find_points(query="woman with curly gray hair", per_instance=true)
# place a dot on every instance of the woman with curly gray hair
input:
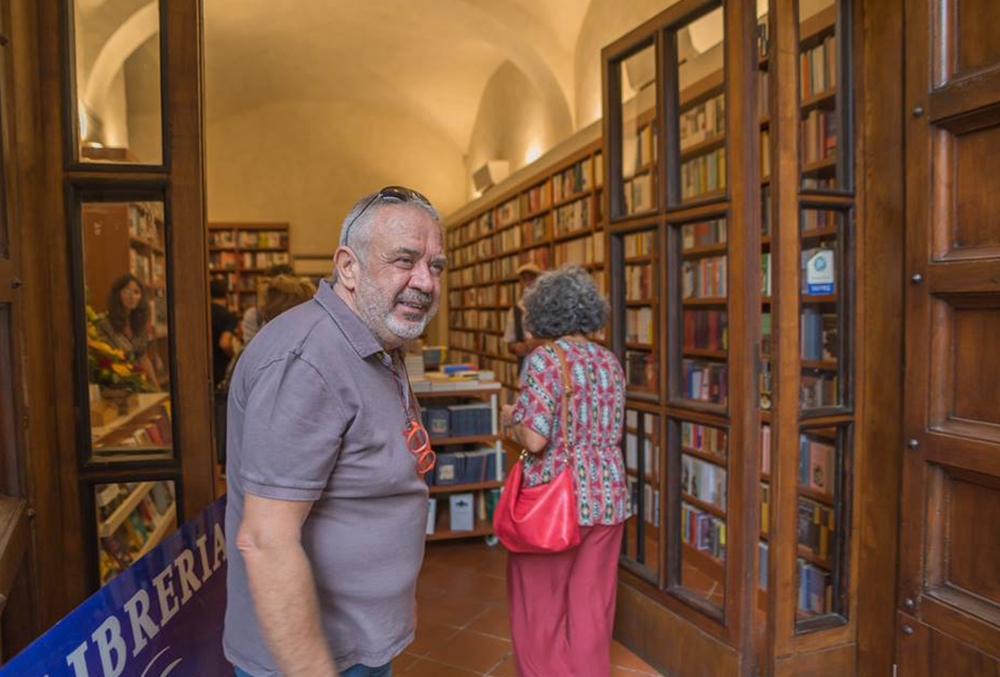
(562, 605)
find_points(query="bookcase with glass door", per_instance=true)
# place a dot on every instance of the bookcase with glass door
(722, 494)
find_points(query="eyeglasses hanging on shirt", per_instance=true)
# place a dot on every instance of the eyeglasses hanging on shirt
(417, 439)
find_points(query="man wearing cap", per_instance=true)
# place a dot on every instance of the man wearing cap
(517, 337)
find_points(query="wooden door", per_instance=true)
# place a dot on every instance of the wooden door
(14, 530)
(949, 585)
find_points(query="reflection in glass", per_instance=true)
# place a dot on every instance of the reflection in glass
(642, 466)
(818, 80)
(131, 518)
(700, 77)
(703, 494)
(637, 75)
(128, 365)
(820, 538)
(118, 90)
(820, 319)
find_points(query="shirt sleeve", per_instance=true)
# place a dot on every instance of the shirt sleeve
(539, 393)
(292, 432)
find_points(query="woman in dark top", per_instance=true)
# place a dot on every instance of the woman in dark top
(126, 324)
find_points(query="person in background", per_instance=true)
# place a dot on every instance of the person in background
(284, 292)
(562, 605)
(515, 335)
(327, 505)
(224, 341)
(126, 324)
(251, 322)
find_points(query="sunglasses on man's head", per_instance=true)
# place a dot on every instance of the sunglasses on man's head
(392, 194)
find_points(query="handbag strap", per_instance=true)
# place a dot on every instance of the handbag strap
(567, 390)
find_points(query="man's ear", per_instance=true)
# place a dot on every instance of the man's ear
(348, 267)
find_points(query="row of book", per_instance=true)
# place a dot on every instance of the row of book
(467, 467)
(476, 319)
(248, 239)
(149, 268)
(508, 240)
(155, 431)
(815, 591)
(704, 438)
(819, 135)
(539, 256)
(702, 121)
(223, 261)
(264, 259)
(703, 174)
(639, 325)
(704, 481)
(818, 390)
(638, 193)
(145, 222)
(816, 463)
(815, 527)
(704, 381)
(508, 213)
(580, 251)
(765, 274)
(765, 153)
(458, 420)
(705, 277)
(572, 217)
(537, 198)
(818, 334)
(507, 295)
(641, 369)
(818, 67)
(705, 330)
(816, 219)
(572, 181)
(703, 233)
(703, 531)
(648, 452)
(536, 230)
(485, 248)
(640, 244)
(638, 150)
(120, 548)
(650, 500)
(638, 282)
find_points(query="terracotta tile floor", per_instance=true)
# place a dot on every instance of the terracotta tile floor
(463, 629)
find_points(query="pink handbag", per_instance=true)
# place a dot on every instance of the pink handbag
(544, 518)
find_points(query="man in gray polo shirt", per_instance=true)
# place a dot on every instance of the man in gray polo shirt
(326, 511)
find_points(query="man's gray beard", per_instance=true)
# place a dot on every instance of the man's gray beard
(388, 329)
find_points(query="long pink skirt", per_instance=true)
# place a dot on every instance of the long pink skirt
(562, 606)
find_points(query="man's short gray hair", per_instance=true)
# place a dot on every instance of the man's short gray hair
(564, 302)
(358, 226)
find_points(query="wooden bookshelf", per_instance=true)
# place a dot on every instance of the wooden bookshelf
(240, 253)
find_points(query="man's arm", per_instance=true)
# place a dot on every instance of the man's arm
(282, 585)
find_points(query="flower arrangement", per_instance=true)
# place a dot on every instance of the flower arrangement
(108, 366)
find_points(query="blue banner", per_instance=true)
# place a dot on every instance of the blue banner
(161, 616)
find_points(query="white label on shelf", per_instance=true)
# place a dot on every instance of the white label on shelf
(820, 273)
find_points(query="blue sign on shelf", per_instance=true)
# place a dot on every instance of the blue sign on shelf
(161, 616)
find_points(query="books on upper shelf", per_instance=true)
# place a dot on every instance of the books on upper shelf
(569, 182)
(639, 193)
(535, 231)
(580, 251)
(508, 240)
(703, 438)
(704, 381)
(536, 198)
(641, 369)
(819, 135)
(704, 278)
(539, 256)
(640, 244)
(703, 531)
(508, 213)
(638, 150)
(703, 233)
(819, 272)
(816, 461)
(703, 174)
(704, 481)
(818, 389)
(705, 330)
(638, 282)
(572, 217)
(818, 68)
(639, 325)
(702, 121)
(819, 334)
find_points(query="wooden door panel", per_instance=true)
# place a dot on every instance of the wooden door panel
(976, 190)
(927, 652)
(977, 40)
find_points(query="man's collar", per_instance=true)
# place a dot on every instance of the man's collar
(358, 334)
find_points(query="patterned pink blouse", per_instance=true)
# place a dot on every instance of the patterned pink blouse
(594, 427)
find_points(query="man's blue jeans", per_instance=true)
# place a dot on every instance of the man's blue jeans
(355, 671)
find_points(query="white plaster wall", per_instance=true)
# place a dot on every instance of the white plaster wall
(605, 22)
(306, 162)
(513, 123)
